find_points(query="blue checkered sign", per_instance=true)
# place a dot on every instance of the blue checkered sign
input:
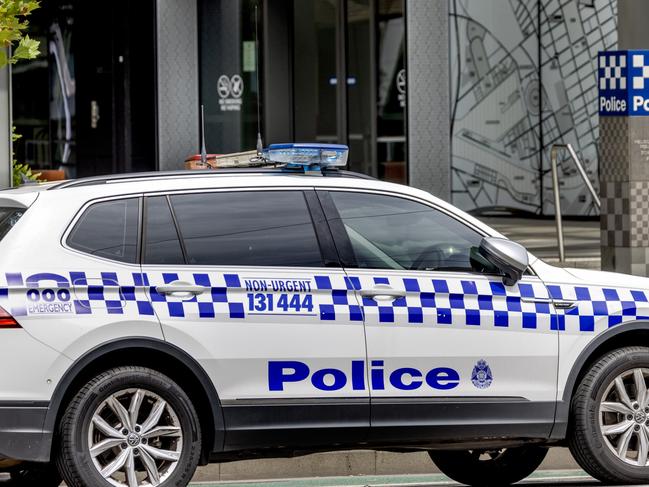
(623, 81)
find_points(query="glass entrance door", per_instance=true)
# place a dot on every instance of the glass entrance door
(315, 71)
(391, 92)
(349, 83)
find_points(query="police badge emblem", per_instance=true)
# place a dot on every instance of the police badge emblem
(481, 375)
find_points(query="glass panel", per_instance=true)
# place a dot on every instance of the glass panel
(314, 76)
(108, 230)
(86, 105)
(391, 96)
(8, 218)
(162, 244)
(387, 232)
(228, 73)
(359, 86)
(247, 228)
(43, 91)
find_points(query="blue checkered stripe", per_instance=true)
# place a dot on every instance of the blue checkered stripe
(598, 308)
(107, 294)
(217, 302)
(88, 293)
(462, 303)
(338, 297)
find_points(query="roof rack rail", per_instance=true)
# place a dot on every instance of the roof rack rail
(143, 176)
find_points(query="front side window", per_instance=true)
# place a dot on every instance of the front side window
(388, 232)
(108, 229)
(253, 228)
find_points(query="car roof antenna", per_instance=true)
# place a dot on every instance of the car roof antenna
(260, 144)
(203, 149)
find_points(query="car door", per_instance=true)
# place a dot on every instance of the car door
(452, 351)
(89, 288)
(252, 288)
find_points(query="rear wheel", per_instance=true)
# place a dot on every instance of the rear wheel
(129, 427)
(487, 468)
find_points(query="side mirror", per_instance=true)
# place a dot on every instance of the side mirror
(509, 257)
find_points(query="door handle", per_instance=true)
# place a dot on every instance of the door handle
(180, 289)
(383, 292)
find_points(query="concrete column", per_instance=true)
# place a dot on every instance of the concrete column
(428, 112)
(632, 32)
(624, 160)
(178, 105)
(6, 156)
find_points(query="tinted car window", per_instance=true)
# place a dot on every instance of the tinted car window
(8, 218)
(256, 228)
(108, 229)
(388, 232)
(162, 245)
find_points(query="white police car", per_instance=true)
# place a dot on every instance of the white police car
(154, 322)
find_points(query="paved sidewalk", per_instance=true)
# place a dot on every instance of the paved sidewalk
(346, 463)
(539, 236)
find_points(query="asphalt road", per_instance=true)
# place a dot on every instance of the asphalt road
(545, 478)
(563, 478)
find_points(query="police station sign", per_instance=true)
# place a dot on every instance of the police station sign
(623, 83)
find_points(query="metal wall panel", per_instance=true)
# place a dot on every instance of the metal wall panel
(177, 53)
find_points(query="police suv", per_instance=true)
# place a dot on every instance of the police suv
(150, 323)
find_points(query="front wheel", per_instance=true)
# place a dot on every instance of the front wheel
(489, 468)
(609, 434)
(129, 427)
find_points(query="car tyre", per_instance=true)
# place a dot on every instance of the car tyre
(35, 475)
(489, 468)
(129, 426)
(611, 396)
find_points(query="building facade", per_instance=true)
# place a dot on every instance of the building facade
(463, 98)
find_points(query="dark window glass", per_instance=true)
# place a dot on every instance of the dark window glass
(162, 244)
(108, 230)
(8, 218)
(387, 232)
(265, 228)
(391, 91)
(228, 69)
(315, 74)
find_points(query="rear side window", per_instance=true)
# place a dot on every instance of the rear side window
(8, 218)
(108, 229)
(256, 228)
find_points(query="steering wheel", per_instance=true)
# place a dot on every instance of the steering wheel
(435, 256)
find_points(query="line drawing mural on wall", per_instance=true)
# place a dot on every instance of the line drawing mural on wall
(508, 108)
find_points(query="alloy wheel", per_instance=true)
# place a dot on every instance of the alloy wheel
(624, 417)
(135, 439)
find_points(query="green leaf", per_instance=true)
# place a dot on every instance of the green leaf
(13, 24)
(27, 49)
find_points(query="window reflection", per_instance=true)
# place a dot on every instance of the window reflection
(391, 96)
